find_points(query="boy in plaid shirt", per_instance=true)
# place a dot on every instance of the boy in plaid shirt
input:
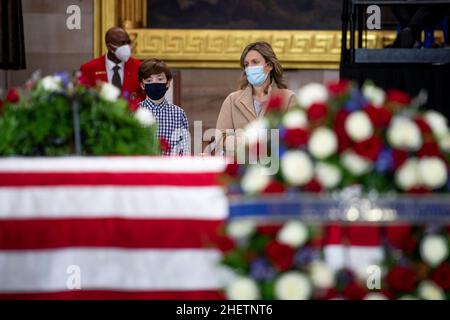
(155, 77)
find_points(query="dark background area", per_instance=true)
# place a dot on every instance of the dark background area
(251, 14)
(245, 14)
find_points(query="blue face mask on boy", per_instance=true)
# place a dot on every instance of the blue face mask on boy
(155, 91)
(256, 75)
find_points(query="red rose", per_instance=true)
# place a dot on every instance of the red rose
(274, 186)
(269, 229)
(410, 245)
(1, 105)
(275, 103)
(401, 279)
(344, 140)
(380, 117)
(354, 291)
(133, 105)
(369, 148)
(400, 237)
(12, 96)
(430, 149)
(313, 186)
(164, 144)
(399, 157)
(281, 255)
(423, 125)
(338, 88)
(232, 169)
(418, 190)
(317, 112)
(398, 97)
(442, 276)
(294, 138)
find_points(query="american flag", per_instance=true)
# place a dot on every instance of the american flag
(111, 228)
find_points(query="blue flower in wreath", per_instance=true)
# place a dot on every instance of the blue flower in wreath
(305, 256)
(355, 102)
(261, 270)
(344, 277)
(64, 76)
(385, 161)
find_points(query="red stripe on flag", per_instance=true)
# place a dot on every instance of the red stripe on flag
(109, 232)
(117, 295)
(355, 235)
(27, 179)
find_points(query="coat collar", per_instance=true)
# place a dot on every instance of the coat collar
(245, 102)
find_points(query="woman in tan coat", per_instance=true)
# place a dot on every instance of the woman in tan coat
(262, 77)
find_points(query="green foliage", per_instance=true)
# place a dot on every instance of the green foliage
(41, 124)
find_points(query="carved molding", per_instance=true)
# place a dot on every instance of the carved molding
(204, 48)
(222, 48)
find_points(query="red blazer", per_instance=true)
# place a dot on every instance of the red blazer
(95, 70)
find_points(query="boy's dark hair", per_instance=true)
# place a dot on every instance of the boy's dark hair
(153, 66)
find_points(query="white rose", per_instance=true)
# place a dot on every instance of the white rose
(109, 92)
(322, 143)
(407, 176)
(256, 131)
(297, 167)
(404, 134)
(433, 172)
(293, 285)
(145, 117)
(241, 228)
(358, 126)
(328, 175)
(444, 143)
(428, 290)
(434, 250)
(255, 179)
(242, 288)
(312, 93)
(51, 83)
(295, 119)
(437, 122)
(375, 296)
(376, 96)
(293, 233)
(356, 164)
(322, 276)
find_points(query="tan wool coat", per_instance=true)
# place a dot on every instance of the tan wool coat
(238, 109)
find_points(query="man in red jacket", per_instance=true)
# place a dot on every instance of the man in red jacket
(116, 67)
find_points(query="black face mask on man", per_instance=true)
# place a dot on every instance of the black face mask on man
(155, 91)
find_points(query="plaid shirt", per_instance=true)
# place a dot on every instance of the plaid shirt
(173, 126)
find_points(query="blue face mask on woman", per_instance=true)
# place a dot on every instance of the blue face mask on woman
(256, 75)
(155, 91)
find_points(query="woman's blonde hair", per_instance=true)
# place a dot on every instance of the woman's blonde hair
(265, 49)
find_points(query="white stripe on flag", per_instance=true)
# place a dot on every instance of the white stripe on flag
(356, 258)
(111, 269)
(208, 203)
(114, 164)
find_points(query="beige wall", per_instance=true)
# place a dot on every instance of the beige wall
(51, 47)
